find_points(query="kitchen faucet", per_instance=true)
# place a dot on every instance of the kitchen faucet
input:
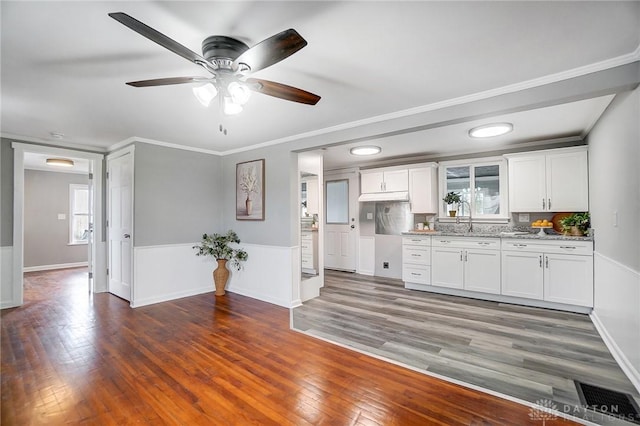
(470, 216)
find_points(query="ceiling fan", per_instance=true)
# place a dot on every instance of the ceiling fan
(230, 62)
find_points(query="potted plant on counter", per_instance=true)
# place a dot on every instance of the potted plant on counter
(576, 224)
(452, 199)
(219, 247)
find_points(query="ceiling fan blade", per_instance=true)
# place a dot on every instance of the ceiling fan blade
(158, 37)
(168, 81)
(282, 91)
(272, 50)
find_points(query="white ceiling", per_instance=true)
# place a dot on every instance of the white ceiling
(64, 65)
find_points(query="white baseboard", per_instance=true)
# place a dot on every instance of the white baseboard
(53, 267)
(616, 315)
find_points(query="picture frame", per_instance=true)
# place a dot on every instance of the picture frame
(250, 190)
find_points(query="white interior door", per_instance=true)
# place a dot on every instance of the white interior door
(90, 236)
(341, 198)
(120, 219)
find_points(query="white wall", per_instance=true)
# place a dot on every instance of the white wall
(614, 193)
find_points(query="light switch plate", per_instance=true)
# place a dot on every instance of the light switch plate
(62, 216)
(523, 217)
(369, 216)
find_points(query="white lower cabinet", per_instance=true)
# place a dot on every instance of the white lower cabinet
(416, 262)
(553, 271)
(466, 263)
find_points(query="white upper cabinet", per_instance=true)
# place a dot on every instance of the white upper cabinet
(423, 189)
(384, 180)
(549, 181)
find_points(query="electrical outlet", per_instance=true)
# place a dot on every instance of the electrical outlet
(385, 265)
(369, 216)
(524, 217)
(62, 216)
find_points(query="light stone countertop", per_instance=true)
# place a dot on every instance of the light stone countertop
(528, 236)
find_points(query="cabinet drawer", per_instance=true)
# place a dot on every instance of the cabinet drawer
(307, 262)
(416, 254)
(466, 242)
(416, 241)
(584, 248)
(416, 274)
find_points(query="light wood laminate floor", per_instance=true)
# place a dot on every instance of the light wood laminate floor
(531, 354)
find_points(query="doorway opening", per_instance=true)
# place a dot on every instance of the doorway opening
(57, 215)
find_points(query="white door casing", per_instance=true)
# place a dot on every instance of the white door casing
(120, 223)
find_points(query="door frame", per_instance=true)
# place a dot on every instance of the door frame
(130, 150)
(97, 248)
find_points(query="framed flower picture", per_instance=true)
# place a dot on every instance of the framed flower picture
(250, 190)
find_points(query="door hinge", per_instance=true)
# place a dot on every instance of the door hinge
(107, 223)
(90, 176)
(107, 175)
(90, 275)
(107, 271)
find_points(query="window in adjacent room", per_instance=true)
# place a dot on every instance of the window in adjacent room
(78, 214)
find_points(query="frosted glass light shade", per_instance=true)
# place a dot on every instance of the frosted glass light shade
(205, 93)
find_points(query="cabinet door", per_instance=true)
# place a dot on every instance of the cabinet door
(423, 191)
(371, 182)
(567, 182)
(568, 279)
(447, 268)
(396, 180)
(482, 271)
(527, 192)
(522, 274)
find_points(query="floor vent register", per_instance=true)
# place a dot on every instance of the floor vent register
(608, 402)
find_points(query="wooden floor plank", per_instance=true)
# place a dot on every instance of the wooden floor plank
(69, 358)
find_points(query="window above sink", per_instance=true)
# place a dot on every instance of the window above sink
(482, 185)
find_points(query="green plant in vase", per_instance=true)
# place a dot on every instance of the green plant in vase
(576, 224)
(452, 199)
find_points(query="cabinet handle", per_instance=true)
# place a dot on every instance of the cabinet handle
(549, 203)
(543, 204)
(415, 255)
(568, 247)
(465, 255)
(413, 273)
(483, 243)
(460, 256)
(546, 262)
(519, 245)
(445, 241)
(540, 257)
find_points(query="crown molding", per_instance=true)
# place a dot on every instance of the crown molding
(134, 139)
(53, 143)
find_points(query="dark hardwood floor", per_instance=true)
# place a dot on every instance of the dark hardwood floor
(532, 354)
(71, 358)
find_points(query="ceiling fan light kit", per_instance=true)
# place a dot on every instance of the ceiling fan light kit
(491, 130)
(229, 61)
(205, 93)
